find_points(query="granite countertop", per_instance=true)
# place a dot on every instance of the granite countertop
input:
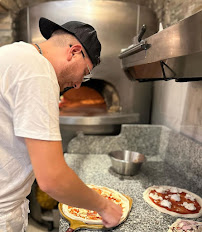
(96, 169)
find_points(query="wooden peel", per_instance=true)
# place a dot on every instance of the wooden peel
(77, 224)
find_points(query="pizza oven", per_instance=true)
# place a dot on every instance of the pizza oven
(92, 109)
(95, 97)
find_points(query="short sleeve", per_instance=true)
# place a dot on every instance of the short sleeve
(35, 109)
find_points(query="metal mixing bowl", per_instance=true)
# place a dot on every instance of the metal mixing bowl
(126, 162)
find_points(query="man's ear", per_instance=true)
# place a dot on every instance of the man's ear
(73, 50)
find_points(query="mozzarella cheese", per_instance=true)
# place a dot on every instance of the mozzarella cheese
(155, 196)
(175, 190)
(189, 206)
(166, 203)
(161, 190)
(190, 197)
(175, 197)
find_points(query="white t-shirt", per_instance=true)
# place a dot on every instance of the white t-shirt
(29, 97)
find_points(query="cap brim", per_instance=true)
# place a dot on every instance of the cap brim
(47, 27)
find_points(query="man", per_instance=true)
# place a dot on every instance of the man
(31, 78)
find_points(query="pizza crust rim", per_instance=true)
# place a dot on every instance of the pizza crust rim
(163, 210)
(99, 222)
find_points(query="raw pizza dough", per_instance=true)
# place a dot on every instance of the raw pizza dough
(81, 214)
(174, 196)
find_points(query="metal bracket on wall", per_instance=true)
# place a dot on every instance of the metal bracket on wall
(182, 79)
(162, 63)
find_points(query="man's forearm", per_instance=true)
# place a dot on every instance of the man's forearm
(57, 179)
(67, 188)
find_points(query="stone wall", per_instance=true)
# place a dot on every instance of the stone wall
(8, 12)
(6, 30)
(168, 12)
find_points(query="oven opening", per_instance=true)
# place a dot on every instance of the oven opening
(95, 97)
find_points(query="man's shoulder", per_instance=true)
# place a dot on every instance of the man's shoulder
(25, 58)
(16, 47)
(19, 52)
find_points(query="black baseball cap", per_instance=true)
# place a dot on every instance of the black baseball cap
(84, 32)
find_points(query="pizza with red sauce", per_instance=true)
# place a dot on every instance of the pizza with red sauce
(92, 217)
(174, 201)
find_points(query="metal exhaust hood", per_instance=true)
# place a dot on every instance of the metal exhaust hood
(173, 53)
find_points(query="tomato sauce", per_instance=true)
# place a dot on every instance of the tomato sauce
(92, 214)
(176, 206)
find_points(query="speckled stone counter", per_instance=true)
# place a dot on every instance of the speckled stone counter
(96, 169)
(172, 159)
(177, 150)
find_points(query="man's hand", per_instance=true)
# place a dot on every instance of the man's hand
(111, 215)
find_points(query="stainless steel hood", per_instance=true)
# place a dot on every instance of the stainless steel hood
(173, 53)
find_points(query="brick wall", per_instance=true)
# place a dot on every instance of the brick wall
(171, 11)
(168, 12)
(6, 32)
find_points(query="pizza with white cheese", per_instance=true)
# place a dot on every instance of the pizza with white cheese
(92, 217)
(174, 201)
(181, 225)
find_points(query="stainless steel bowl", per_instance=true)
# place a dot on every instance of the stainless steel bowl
(126, 162)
